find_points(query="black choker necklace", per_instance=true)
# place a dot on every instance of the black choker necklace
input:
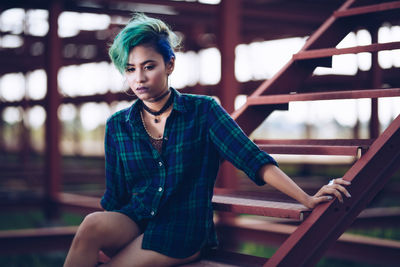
(158, 98)
(161, 111)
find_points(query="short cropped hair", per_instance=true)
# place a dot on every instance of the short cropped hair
(143, 30)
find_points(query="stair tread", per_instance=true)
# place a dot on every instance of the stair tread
(327, 142)
(80, 201)
(311, 150)
(332, 95)
(328, 52)
(223, 200)
(256, 204)
(341, 147)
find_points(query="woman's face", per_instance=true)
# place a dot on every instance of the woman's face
(147, 73)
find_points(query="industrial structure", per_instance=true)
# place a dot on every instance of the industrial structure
(308, 235)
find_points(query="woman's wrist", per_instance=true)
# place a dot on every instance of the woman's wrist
(308, 201)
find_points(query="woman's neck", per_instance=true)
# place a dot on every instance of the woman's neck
(158, 103)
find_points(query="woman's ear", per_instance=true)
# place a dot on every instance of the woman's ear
(170, 66)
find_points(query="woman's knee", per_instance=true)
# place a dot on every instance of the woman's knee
(92, 227)
(106, 230)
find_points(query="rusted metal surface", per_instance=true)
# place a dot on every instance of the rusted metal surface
(245, 205)
(311, 150)
(357, 248)
(39, 239)
(229, 32)
(53, 157)
(351, 94)
(368, 176)
(229, 39)
(81, 203)
(328, 52)
(383, 217)
(344, 147)
(328, 142)
(236, 203)
(251, 100)
(292, 75)
(376, 82)
(352, 247)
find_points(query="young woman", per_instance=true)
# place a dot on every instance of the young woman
(162, 157)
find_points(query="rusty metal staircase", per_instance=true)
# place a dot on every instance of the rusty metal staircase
(378, 158)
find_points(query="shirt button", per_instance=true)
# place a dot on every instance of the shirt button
(152, 213)
(160, 189)
(160, 163)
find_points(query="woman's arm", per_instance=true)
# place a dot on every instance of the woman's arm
(275, 177)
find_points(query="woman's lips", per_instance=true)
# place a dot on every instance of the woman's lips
(142, 90)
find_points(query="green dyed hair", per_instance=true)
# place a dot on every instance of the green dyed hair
(143, 30)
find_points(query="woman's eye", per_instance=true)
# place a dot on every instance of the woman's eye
(150, 67)
(130, 69)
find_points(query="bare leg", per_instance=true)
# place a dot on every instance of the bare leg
(134, 256)
(108, 231)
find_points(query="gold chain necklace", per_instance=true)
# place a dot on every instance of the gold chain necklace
(147, 131)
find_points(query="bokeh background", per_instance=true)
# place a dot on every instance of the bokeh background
(62, 46)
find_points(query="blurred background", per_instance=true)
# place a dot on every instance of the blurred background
(58, 87)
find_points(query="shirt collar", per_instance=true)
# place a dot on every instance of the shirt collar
(179, 103)
(133, 114)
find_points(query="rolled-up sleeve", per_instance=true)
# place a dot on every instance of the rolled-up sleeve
(234, 145)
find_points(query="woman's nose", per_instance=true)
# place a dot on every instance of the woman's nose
(140, 76)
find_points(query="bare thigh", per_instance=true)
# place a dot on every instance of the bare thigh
(114, 230)
(134, 256)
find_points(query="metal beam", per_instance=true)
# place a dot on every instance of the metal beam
(53, 100)
(361, 249)
(376, 82)
(229, 33)
(368, 176)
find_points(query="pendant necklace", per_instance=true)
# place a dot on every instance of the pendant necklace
(156, 114)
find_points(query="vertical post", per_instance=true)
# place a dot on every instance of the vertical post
(53, 157)
(376, 82)
(2, 135)
(25, 132)
(77, 130)
(229, 37)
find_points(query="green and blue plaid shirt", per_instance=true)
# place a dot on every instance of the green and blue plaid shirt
(172, 191)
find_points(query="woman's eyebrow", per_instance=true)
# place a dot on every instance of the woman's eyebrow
(143, 63)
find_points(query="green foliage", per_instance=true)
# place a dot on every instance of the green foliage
(257, 250)
(26, 219)
(34, 218)
(20, 219)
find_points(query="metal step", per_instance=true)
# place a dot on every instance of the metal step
(329, 52)
(349, 246)
(38, 239)
(338, 147)
(294, 97)
(246, 203)
(223, 200)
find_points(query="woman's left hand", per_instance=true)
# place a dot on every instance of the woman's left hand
(335, 187)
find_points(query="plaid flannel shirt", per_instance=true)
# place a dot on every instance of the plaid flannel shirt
(172, 191)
